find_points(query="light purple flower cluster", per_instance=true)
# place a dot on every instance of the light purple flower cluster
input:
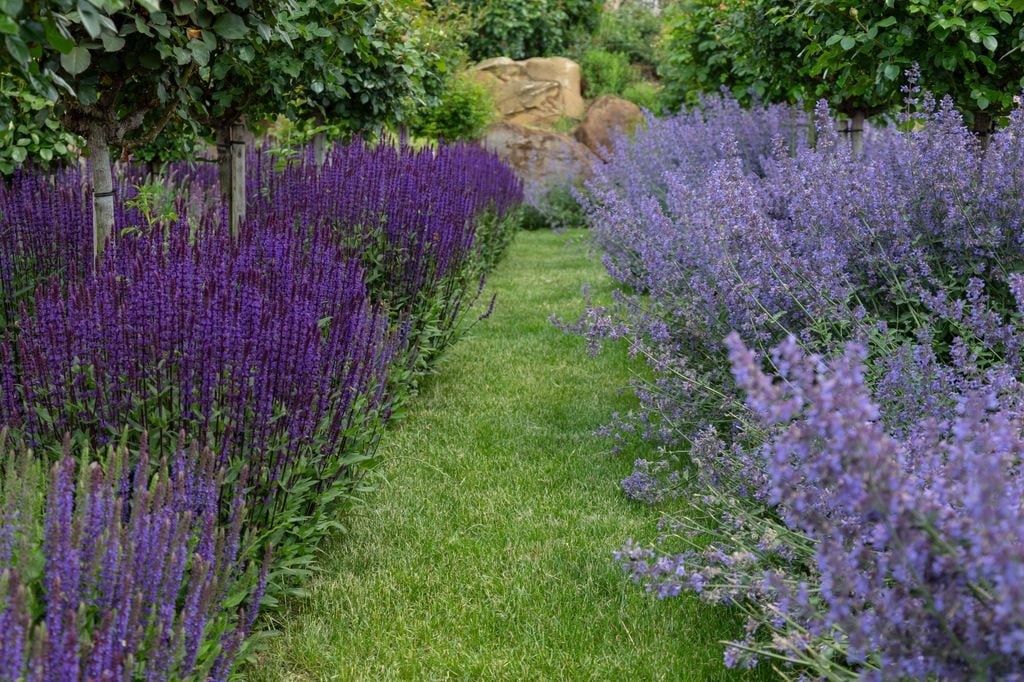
(651, 482)
(919, 542)
(135, 565)
(864, 499)
(763, 234)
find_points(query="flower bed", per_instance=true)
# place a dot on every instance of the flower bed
(837, 364)
(278, 355)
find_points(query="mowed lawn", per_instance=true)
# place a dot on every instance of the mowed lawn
(486, 550)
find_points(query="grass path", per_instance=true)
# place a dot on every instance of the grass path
(485, 553)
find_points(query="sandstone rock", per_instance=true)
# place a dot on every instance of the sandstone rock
(542, 158)
(604, 119)
(537, 91)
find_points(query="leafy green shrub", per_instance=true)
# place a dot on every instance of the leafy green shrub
(606, 73)
(555, 209)
(645, 95)
(33, 134)
(463, 110)
(527, 28)
(632, 29)
(566, 125)
(858, 52)
(736, 44)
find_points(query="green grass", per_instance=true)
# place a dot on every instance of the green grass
(485, 552)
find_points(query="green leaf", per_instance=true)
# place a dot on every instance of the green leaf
(200, 53)
(8, 25)
(892, 71)
(346, 44)
(150, 5)
(17, 49)
(990, 43)
(112, 43)
(19, 154)
(56, 37)
(76, 61)
(181, 55)
(90, 18)
(848, 43)
(230, 26)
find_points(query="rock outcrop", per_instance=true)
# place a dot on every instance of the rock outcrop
(607, 116)
(538, 91)
(543, 158)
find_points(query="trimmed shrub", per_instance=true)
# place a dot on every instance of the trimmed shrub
(519, 29)
(557, 208)
(645, 95)
(606, 73)
(463, 111)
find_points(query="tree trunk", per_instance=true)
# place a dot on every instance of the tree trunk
(237, 177)
(320, 149)
(982, 127)
(102, 191)
(224, 163)
(231, 172)
(857, 132)
(320, 144)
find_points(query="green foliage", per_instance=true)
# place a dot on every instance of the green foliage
(633, 29)
(154, 200)
(735, 44)
(852, 53)
(494, 235)
(122, 63)
(357, 64)
(606, 73)
(443, 32)
(463, 110)
(968, 49)
(566, 125)
(527, 28)
(200, 64)
(645, 95)
(32, 133)
(179, 140)
(555, 209)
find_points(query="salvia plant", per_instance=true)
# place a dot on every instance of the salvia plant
(121, 568)
(282, 351)
(853, 448)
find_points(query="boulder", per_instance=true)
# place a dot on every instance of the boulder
(537, 91)
(542, 158)
(607, 116)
